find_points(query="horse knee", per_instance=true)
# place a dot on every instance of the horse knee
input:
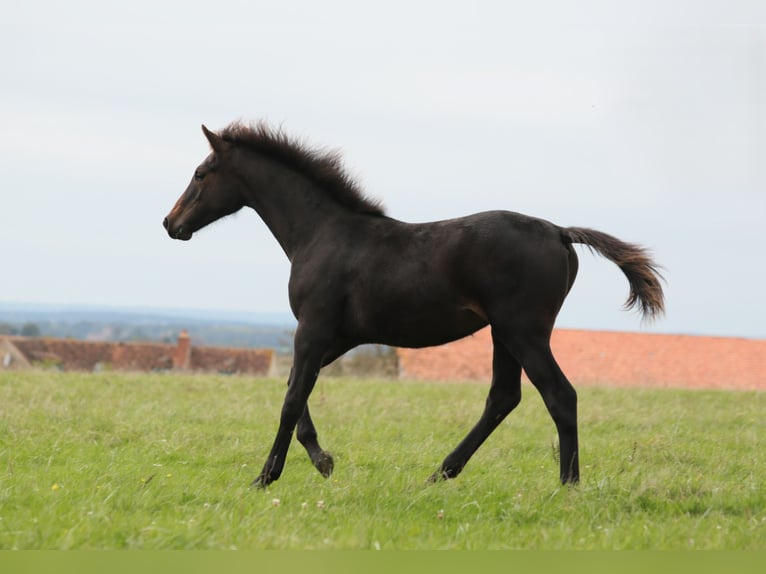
(502, 403)
(512, 400)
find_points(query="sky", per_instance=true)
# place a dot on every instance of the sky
(646, 120)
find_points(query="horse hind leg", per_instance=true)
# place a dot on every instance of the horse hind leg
(504, 396)
(560, 399)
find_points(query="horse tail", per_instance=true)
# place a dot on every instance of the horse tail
(635, 262)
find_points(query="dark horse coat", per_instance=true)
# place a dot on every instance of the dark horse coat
(358, 276)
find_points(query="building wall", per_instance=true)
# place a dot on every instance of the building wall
(75, 355)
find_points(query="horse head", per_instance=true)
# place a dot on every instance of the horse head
(211, 194)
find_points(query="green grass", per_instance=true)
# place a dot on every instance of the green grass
(114, 461)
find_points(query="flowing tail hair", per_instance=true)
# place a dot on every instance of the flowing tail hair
(634, 261)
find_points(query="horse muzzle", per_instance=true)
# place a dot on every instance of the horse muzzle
(176, 231)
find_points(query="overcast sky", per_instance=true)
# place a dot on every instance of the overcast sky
(646, 120)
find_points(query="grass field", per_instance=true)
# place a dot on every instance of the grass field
(112, 461)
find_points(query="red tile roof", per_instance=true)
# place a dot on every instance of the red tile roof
(75, 355)
(610, 358)
(219, 360)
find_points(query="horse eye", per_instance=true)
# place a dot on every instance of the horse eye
(199, 176)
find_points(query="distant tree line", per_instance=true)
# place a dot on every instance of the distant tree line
(25, 330)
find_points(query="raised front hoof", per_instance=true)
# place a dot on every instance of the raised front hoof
(324, 463)
(261, 482)
(442, 475)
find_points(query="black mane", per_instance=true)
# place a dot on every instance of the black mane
(323, 168)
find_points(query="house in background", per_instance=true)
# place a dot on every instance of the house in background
(586, 357)
(74, 355)
(608, 358)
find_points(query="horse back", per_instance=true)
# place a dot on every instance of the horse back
(424, 284)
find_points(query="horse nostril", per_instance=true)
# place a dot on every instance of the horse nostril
(165, 223)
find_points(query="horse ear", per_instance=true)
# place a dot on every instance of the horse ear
(216, 141)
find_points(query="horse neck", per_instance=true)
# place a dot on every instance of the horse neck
(292, 207)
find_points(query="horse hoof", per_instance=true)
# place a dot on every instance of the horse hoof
(261, 482)
(324, 464)
(438, 476)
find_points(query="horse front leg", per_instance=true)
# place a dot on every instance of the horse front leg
(306, 364)
(306, 433)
